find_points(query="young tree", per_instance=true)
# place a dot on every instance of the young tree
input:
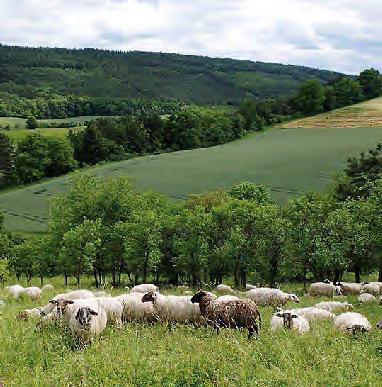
(310, 97)
(371, 83)
(7, 161)
(31, 123)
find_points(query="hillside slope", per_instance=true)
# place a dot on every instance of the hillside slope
(364, 114)
(31, 72)
(289, 162)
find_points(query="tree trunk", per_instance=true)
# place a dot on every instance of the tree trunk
(157, 278)
(78, 280)
(66, 279)
(113, 278)
(357, 273)
(380, 274)
(41, 280)
(145, 267)
(305, 273)
(243, 279)
(95, 278)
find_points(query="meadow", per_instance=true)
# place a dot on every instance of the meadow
(150, 355)
(289, 162)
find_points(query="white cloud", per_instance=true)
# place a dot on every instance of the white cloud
(342, 35)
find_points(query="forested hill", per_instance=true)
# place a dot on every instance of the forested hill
(34, 72)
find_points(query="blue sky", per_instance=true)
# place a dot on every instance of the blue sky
(342, 35)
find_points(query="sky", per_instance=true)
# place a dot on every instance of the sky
(340, 35)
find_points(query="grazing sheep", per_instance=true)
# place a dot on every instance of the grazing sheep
(173, 309)
(25, 314)
(324, 289)
(268, 296)
(87, 322)
(350, 288)
(33, 292)
(47, 288)
(288, 320)
(312, 314)
(113, 308)
(373, 288)
(227, 298)
(249, 287)
(134, 309)
(229, 314)
(224, 288)
(334, 306)
(366, 297)
(351, 322)
(144, 288)
(14, 290)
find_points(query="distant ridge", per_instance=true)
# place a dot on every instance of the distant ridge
(31, 72)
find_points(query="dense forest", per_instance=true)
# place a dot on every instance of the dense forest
(52, 73)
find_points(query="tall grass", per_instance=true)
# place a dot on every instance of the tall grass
(149, 355)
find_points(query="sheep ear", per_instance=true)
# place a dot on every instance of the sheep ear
(279, 314)
(294, 316)
(93, 313)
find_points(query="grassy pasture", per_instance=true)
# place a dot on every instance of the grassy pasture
(365, 114)
(289, 162)
(19, 134)
(149, 355)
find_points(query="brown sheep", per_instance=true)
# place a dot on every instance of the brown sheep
(228, 314)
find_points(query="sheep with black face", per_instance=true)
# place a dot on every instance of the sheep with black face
(229, 314)
(289, 320)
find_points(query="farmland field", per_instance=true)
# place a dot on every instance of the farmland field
(19, 134)
(289, 162)
(149, 355)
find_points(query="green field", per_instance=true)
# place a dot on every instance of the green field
(289, 162)
(150, 355)
(19, 134)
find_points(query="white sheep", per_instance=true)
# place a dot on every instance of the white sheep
(334, 306)
(373, 288)
(366, 297)
(144, 288)
(288, 320)
(351, 322)
(250, 287)
(350, 288)
(312, 314)
(33, 292)
(87, 322)
(114, 310)
(173, 309)
(324, 289)
(269, 296)
(47, 288)
(101, 293)
(224, 288)
(134, 309)
(14, 290)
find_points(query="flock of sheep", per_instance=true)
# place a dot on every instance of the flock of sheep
(88, 313)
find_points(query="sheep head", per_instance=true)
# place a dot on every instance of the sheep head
(61, 305)
(149, 297)
(287, 318)
(84, 316)
(196, 298)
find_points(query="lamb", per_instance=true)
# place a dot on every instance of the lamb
(113, 308)
(14, 290)
(173, 309)
(25, 314)
(289, 320)
(373, 288)
(250, 287)
(224, 288)
(47, 288)
(87, 322)
(229, 314)
(134, 309)
(350, 288)
(351, 322)
(312, 314)
(334, 306)
(366, 297)
(33, 292)
(268, 296)
(144, 288)
(324, 289)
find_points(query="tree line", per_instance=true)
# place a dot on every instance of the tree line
(106, 228)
